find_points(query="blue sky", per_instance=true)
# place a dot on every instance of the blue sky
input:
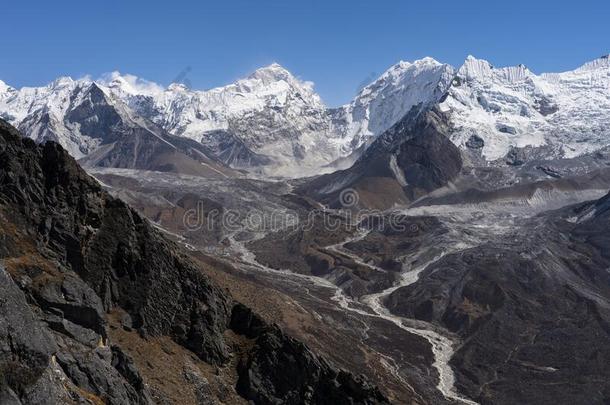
(336, 44)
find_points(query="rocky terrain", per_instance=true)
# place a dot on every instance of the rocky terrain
(92, 295)
(417, 305)
(530, 303)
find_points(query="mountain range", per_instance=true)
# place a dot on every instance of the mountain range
(441, 239)
(274, 124)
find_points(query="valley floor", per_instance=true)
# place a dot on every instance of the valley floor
(410, 359)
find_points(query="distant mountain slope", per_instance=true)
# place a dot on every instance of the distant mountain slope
(103, 131)
(493, 110)
(269, 113)
(388, 99)
(409, 160)
(87, 286)
(269, 119)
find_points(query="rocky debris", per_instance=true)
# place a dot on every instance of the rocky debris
(549, 171)
(77, 253)
(532, 309)
(306, 250)
(203, 393)
(232, 150)
(475, 142)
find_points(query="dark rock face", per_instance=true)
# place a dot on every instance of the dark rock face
(96, 117)
(429, 160)
(134, 145)
(139, 270)
(546, 106)
(507, 129)
(72, 254)
(25, 346)
(281, 370)
(475, 142)
(96, 371)
(515, 157)
(549, 171)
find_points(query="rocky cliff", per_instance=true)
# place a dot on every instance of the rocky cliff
(92, 296)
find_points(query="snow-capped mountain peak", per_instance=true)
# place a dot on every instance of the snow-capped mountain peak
(270, 115)
(129, 84)
(383, 102)
(177, 87)
(401, 74)
(273, 83)
(272, 73)
(270, 112)
(4, 88)
(62, 82)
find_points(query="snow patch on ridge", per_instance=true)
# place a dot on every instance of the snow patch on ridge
(398, 174)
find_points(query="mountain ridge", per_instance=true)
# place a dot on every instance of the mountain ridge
(274, 123)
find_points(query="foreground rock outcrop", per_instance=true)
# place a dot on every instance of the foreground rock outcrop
(88, 285)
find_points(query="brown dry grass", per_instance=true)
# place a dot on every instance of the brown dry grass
(92, 398)
(27, 260)
(473, 309)
(162, 362)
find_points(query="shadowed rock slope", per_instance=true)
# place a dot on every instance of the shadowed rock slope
(406, 162)
(91, 295)
(130, 142)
